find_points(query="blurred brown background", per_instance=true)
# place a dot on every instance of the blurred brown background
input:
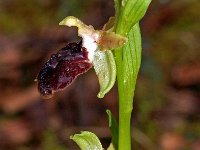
(167, 102)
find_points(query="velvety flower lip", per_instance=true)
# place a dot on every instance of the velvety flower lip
(62, 68)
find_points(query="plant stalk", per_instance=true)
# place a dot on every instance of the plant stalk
(124, 126)
(125, 107)
(125, 96)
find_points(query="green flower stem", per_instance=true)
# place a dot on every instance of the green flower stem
(124, 141)
(128, 60)
(125, 107)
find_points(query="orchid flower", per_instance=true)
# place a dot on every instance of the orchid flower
(77, 58)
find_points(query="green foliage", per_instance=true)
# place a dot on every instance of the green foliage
(128, 60)
(128, 65)
(130, 12)
(87, 141)
(114, 129)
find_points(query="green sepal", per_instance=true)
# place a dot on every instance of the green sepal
(105, 68)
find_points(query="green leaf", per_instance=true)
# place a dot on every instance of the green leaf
(128, 59)
(131, 61)
(130, 13)
(114, 130)
(105, 68)
(87, 141)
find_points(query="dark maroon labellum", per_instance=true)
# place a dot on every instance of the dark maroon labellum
(62, 68)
